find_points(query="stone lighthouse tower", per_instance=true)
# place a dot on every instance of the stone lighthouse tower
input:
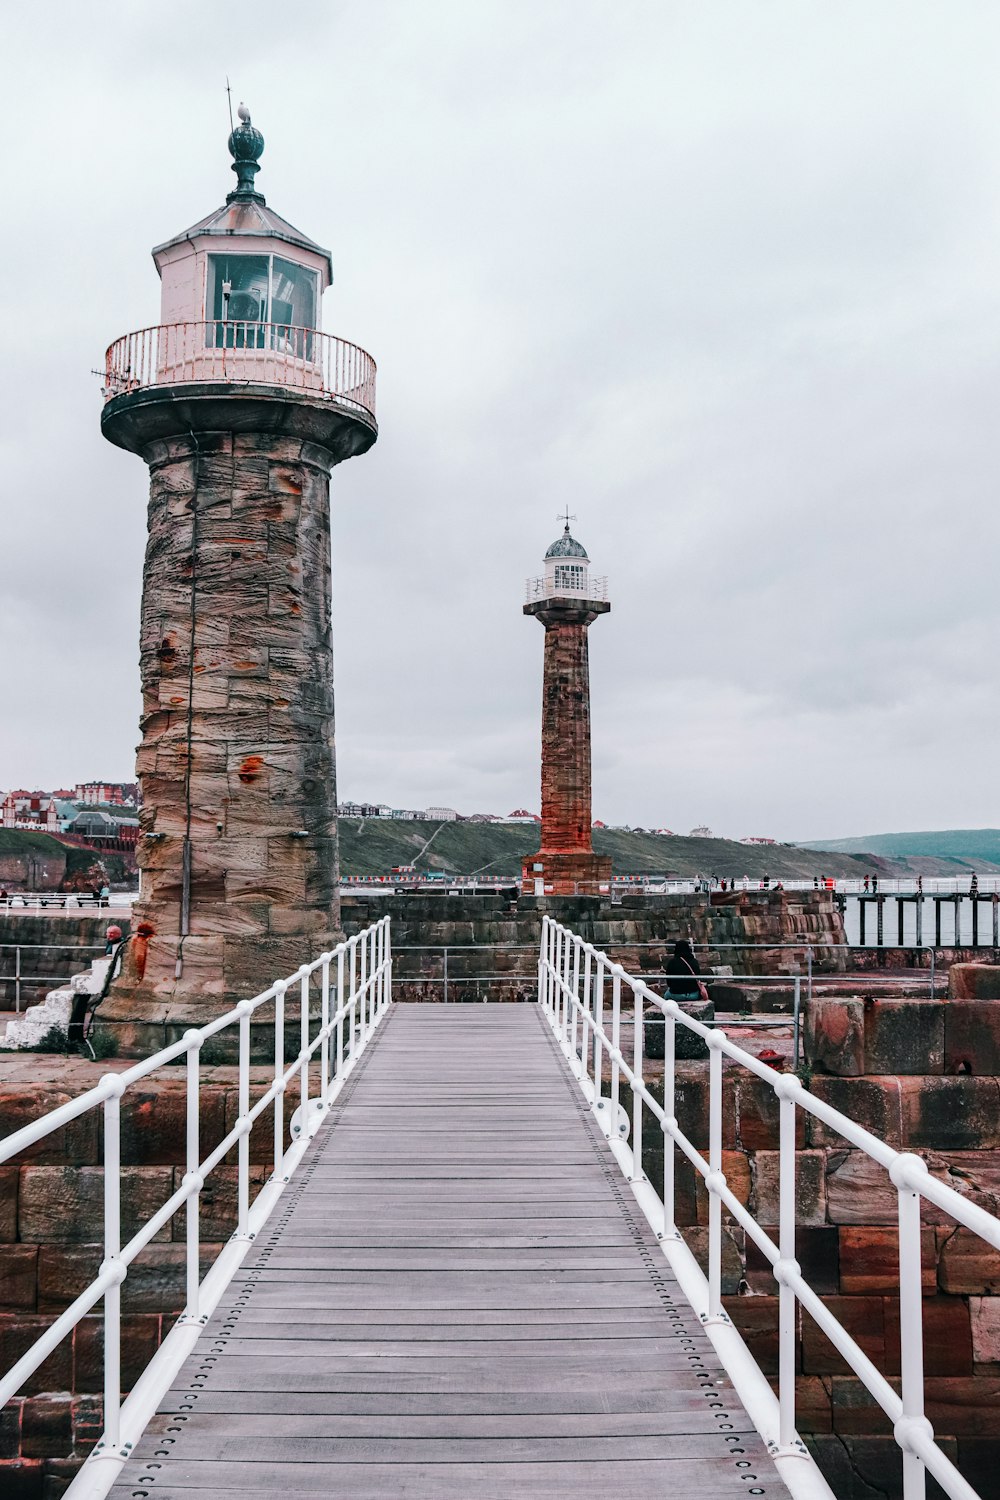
(240, 406)
(567, 601)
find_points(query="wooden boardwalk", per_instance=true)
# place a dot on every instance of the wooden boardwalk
(458, 1298)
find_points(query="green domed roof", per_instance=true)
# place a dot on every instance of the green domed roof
(567, 546)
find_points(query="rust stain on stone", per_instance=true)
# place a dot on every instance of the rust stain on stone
(178, 701)
(244, 666)
(250, 769)
(140, 946)
(167, 651)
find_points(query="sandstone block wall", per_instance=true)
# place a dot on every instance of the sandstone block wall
(51, 1228)
(494, 935)
(925, 1076)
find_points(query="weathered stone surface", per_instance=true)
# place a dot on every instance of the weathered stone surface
(869, 1260)
(871, 1102)
(974, 982)
(238, 731)
(696, 1240)
(22, 1103)
(862, 1317)
(810, 1187)
(18, 1275)
(835, 1036)
(817, 1251)
(18, 1331)
(984, 1313)
(904, 1036)
(951, 1113)
(155, 1281)
(66, 1204)
(47, 1426)
(568, 863)
(972, 1036)
(947, 1336)
(967, 1264)
(141, 1334)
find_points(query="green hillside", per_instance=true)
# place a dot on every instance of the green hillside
(965, 846)
(372, 846)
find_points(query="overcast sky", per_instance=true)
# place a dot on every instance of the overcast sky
(722, 277)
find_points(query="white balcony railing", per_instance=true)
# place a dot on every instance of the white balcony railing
(275, 354)
(541, 588)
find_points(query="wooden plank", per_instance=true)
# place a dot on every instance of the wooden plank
(454, 1305)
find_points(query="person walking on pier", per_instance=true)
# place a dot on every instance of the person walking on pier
(974, 886)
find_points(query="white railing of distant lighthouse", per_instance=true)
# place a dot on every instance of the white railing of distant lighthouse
(302, 359)
(581, 991)
(543, 588)
(355, 981)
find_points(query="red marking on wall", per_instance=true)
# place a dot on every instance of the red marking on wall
(251, 768)
(140, 947)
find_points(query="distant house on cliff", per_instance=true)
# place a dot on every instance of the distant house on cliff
(758, 841)
(108, 793)
(521, 815)
(441, 815)
(701, 832)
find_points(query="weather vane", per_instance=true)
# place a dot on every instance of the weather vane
(567, 517)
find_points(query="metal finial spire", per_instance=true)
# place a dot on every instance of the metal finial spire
(567, 518)
(245, 145)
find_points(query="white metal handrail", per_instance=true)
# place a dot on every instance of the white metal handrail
(572, 983)
(545, 588)
(242, 352)
(351, 1006)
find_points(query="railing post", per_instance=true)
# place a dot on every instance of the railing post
(340, 1008)
(669, 1120)
(192, 1173)
(714, 1172)
(446, 976)
(574, 1019)
(112, 1260)
(17, 978)
(542, 956)
(279, 1068)
(598, 1004)
(324, 1051)
(911, 1334)
(637, 1050)
(786, 1249)
(304, 1047)
(585, 1016)
(362, 991)
(352, 1013)
(243, 1149)
(616, 1040)
(567, 961)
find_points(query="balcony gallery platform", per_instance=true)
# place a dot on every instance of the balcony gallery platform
(341, 426)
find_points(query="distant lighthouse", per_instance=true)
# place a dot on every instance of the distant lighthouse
(240, 406)
(567, 601)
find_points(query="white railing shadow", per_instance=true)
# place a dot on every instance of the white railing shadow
(580, 991)
(353, 1001)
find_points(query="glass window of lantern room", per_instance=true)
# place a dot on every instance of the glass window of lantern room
(293, 295)
(570, 576)
(237, 294)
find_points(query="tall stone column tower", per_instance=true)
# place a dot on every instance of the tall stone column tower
(240, 407)
(567, 601)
